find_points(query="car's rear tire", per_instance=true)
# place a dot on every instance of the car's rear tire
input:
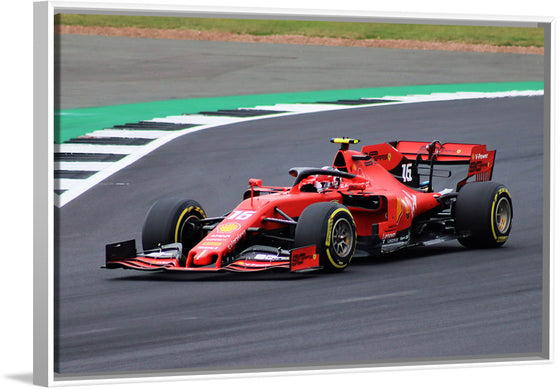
(170, 220)
(331, 228)
(483, 215)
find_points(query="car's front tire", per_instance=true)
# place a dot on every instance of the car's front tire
(171, 220)
(483, 215)
(331, 228)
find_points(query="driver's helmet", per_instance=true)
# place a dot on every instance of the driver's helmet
(327, 182)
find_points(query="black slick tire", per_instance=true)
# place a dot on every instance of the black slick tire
(170, 220)
(483, 215)
(331, 228)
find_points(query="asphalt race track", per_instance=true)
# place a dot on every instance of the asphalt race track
(428, 304)
(434, 303)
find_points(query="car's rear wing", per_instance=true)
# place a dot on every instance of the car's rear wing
(480, 160)
(411, 153)
(443, 153)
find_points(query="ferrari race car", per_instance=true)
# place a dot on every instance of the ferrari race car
(377, 200)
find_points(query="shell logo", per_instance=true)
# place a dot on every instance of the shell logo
(402, 207)
(229, 227)
(399, 209)
(406, 209)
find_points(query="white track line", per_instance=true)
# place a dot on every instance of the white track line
(199, 119)
(98, 149)
(462, 96)
(142, 134)
(82, 166)
(67, 183)
(140, 151)
(301, 108)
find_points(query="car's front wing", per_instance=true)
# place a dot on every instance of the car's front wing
(123, 255)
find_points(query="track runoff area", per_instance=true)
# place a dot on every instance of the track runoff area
(91, 144)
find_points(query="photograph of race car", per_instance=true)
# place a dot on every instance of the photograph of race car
(377, 200)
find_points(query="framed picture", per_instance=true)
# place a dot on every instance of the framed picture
(167, 140)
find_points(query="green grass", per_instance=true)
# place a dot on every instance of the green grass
(499, 36)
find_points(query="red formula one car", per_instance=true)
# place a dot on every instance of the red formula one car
(378, 200)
